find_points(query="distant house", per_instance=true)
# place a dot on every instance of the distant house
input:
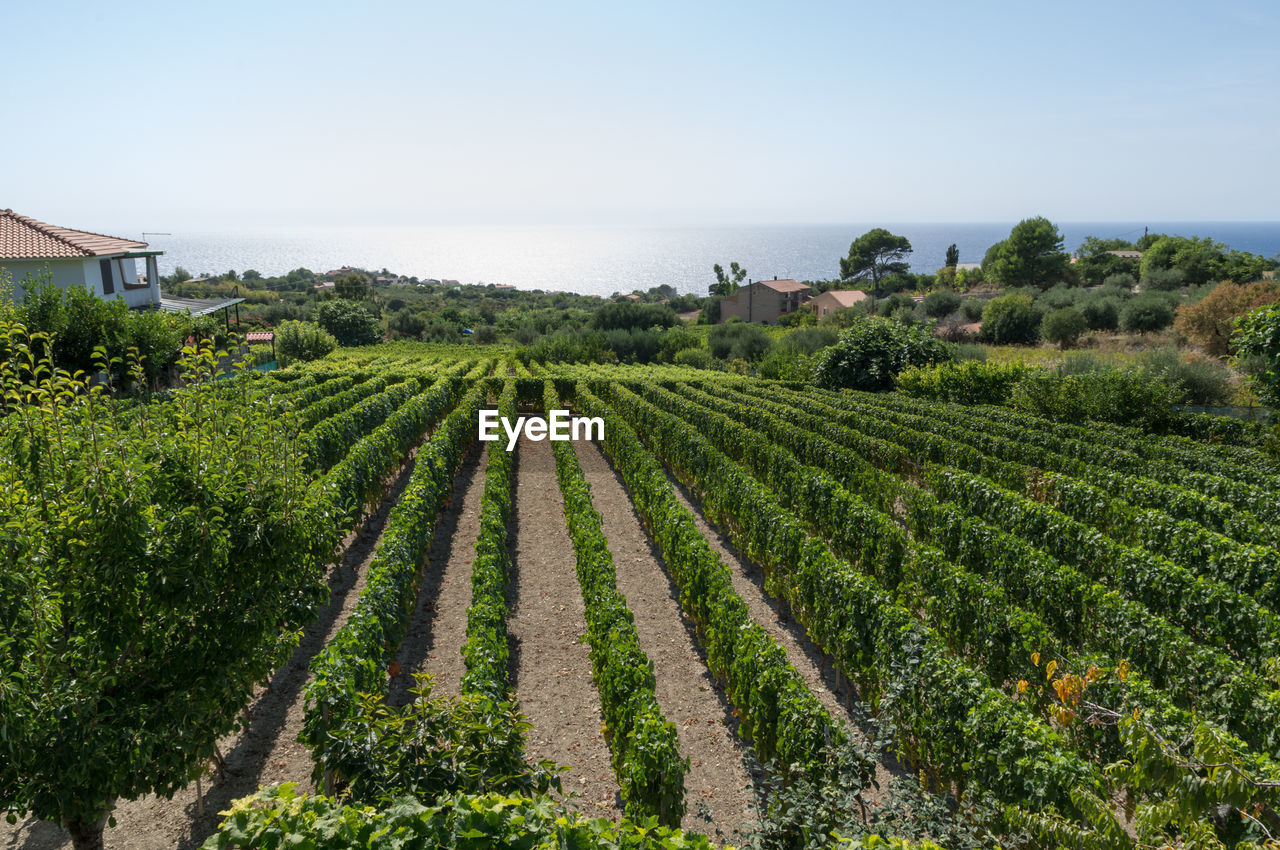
(632, 297)
(764, 301)
(968, 267)
(104, 265)
(836, 299)
(1135, 256)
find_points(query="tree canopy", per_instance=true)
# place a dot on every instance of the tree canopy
(1031, 256)
(875, 255)
(727, 283)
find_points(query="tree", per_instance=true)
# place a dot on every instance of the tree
(156, 567)
(1031, 256)
(1258, 336)
(349, 322)
(871, 353)
(299, 342)
(1010, 320)
(738, 341)
(874, 255)
(1063, 327)
(953, 256)
(1095, 263)
(1199, 259)
(1211, 321)
(941, 303)
(352, 287)
(727, 284)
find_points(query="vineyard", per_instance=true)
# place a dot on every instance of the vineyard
(753, 613)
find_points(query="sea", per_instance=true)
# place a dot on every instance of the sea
(602, 260)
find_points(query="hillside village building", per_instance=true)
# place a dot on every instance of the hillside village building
(107, 266)
(764, 301)
(836, 299)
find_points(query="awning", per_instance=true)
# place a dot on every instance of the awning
(196, 306)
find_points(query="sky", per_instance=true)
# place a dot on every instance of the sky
(230, 115)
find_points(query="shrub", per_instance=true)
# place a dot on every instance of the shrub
(1201, 380)
(677, 339)
(941, 303)
(1010, 320)
(738, 341)
(971, 309)
(966, 382)
(299, 342)
(349, 322)
(1210, 322)
(870, 355)
(1063, 327)
(1058, 296)
(1258, 337)
(697, 358)
(808, 340)
(624, 315)
(486, 335)
(1162, 280)
(1113, 395)
(1101, 314)
(1145, 314)
(1124, 281)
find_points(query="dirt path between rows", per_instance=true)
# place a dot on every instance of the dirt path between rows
(547, 623)
(718, 787)
(438, 625)
(809, 661)
(267, 752)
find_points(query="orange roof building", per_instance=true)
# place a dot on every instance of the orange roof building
(104, 265)
(764, 301)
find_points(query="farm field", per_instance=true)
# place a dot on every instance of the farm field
(752, 610)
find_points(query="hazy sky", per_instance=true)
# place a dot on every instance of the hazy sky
(152, 116)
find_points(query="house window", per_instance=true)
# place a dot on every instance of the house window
(108, 285)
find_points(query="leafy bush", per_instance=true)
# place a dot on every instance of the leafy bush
(808, 340)
(941, 303)
(1057, 297)
(349, 322)
(698, 358)
(625, 315)
(870, 355)
(1162, 280)
(1101, 313)
(967, 382)
(1258, 336)
(1122, 397)
(1146, 313)
(1010, 320)
(1210, 322)
(300, 342)
(1063, 327)
(738, 340)
(1201, 380)
(1123, 280)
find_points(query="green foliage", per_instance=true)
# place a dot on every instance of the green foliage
(677, 339)
(1031, 256)
(1146, 314)
(349, 322)
(301, 342)
(1063, 327)
(1162, 280)
(627, 315)
(1010, 320)
(352, 287)
(727, 283)
(698, 358)
(870, 355)
(1258, 336)
(875, 255)
(941, 303)
(738, 341)
(156, 566)
(953, 256)
(1101, 313)
(1095, 264)
(1200, 260)
(1123, 397)
(644, 744)
(1199, 379)
(278, 817)
(967, 382)
(433, 747)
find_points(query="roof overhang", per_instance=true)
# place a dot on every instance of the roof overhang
(196, 306)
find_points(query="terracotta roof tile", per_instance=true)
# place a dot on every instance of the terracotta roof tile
(784, 285)
(846, 297)
(24, 238)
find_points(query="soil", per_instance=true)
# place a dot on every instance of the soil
(438, 625)
(266, 752)
(810, 662)
(719, 788)
(550, 658)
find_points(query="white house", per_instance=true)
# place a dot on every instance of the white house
(104, 265)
